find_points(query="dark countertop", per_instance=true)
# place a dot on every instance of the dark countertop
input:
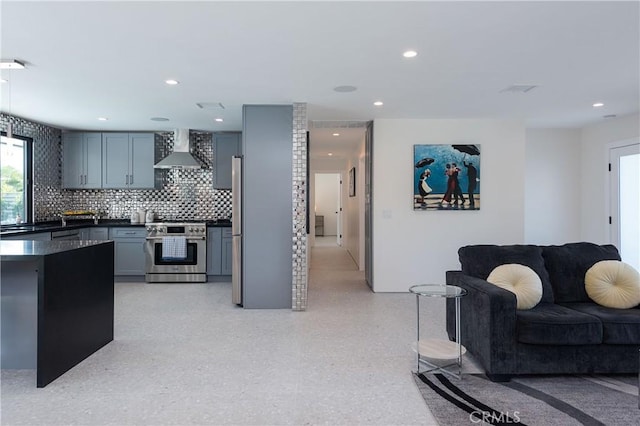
(85, 223)
(26, 249)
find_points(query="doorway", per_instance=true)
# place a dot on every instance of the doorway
(338, 148)
(624, 219)
(328, 208)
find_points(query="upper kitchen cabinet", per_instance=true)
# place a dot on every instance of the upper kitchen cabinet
(226, 145)
(81, 160)
(127, 160)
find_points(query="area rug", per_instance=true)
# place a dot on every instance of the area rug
(532, 400)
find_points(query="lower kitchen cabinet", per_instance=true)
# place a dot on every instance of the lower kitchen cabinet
(219, 251)
(214, 257)
(84, 234)
(227, 251)
(129, 256)
(101, 234)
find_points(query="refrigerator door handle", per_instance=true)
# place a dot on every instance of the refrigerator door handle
(236, 195)
(236, 229)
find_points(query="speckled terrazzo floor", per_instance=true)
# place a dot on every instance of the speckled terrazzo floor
(184, 355)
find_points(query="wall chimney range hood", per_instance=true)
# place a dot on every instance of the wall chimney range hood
(180, 158)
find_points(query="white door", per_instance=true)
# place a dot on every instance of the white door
(327, 202)
(625, 200)
(339, 212)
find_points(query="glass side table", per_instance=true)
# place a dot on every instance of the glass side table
(437, 349)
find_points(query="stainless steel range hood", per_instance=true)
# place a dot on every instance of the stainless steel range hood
(180, 158)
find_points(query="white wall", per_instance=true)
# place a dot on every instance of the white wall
(327, 200)
(553, 175)
(353, 212)
(594, 207)
(413, 247)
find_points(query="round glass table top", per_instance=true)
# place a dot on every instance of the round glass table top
(437, 290)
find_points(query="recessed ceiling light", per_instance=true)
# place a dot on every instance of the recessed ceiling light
(410, 54)
(102, 118)
(219, 120)
(330, 154)
(2, 80)
(171, 82)
(159, 119)
(598, 104)
(345, 89)
(336, 134)
(11, 64)
(378, 103)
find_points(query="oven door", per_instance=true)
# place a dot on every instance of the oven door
(194, 263)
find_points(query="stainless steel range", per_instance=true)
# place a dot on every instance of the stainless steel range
(176, 252)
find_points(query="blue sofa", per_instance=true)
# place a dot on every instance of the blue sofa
(565, 333)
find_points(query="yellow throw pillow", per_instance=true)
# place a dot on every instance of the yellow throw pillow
(613, 284)
(520, 280)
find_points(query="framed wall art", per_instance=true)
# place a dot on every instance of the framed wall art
(352, 182)
(446, 177)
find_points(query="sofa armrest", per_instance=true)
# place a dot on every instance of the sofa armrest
(487, 322)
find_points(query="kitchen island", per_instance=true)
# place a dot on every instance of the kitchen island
(57, 304)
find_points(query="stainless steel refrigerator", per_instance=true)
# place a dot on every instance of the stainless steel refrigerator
(236, 228)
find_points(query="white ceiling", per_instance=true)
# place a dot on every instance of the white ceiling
(110, 59)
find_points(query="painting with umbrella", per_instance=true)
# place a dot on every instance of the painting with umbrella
(446, 177)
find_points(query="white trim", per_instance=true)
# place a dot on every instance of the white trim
(607, 178)
(612, 211)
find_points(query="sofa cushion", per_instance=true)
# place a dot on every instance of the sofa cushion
(519, 280)
(568, 264)
(479, 260)
(551, 324)
(619, 326)
(613, 284)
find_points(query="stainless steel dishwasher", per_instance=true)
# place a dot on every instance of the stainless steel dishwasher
(67, 234)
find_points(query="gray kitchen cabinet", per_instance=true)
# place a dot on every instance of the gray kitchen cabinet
(129, 258)
(226, 144)
(214, 256)
(227, 251)
(127, 160)
(92, 233)
(99, 234)
(84, 234)
(40, 236)
(81, 160)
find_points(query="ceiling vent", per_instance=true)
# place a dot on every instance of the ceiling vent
(217, 106)
(519, 88)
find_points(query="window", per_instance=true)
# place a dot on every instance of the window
(15, 179)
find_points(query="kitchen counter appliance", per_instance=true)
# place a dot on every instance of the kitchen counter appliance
(176, 252)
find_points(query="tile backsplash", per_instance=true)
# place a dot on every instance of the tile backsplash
(181, 194)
